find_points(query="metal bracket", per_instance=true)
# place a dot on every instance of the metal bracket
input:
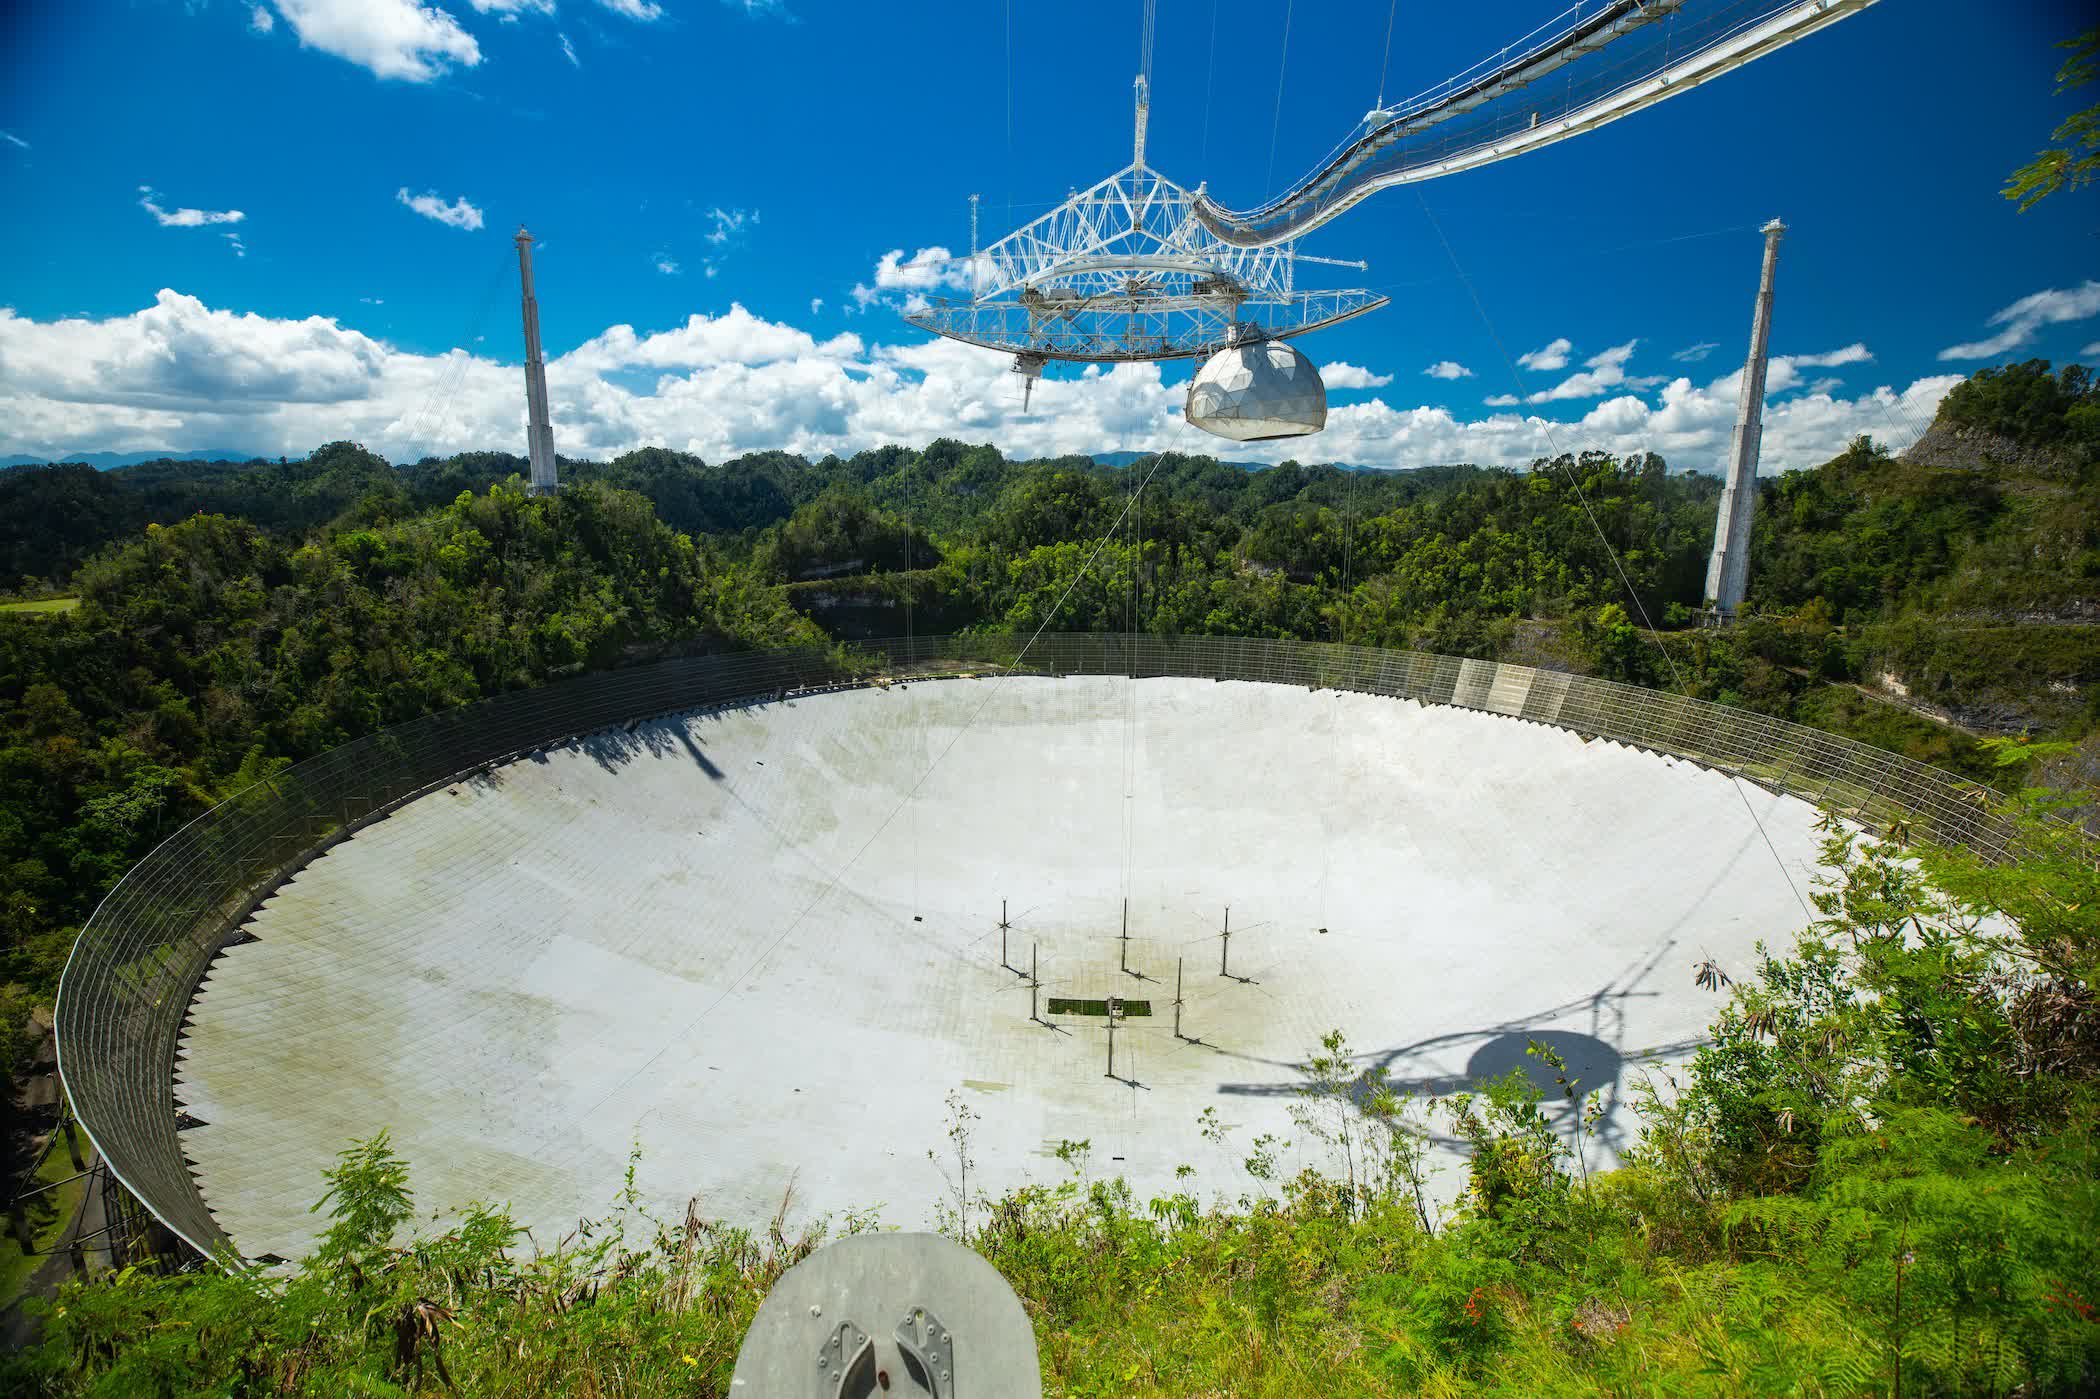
(846, 1362)
(929, 1351)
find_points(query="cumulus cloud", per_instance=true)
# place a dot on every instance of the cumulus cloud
(1549, 358)
(184, 218)
(640, 10)
(1693, 354)
(180, 374)
(1447, 369)
(816, 305)
(260, 20)
(390, 38)
(665, 265)
(924, 269)
(1340, 375)
(509, 10)
(2090, 350)
(2029, 314)
(1501, 400)
(1604, 370)
(927, 270)
(431, 205)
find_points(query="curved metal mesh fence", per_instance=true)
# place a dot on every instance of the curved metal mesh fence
(128, 985)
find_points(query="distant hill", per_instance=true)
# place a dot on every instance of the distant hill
(110, 461)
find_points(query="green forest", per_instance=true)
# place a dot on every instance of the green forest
(1882, 1167)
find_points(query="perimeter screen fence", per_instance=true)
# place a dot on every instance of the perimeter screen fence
(128, 985)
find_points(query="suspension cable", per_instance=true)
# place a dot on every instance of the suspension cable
(447, 385)
(1632, 594)
(1386, 63)
(1283, 64)
(1210, 82)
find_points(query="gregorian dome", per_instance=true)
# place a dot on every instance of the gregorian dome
(1256, 391)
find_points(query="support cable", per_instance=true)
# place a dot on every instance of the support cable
(1633, 594)
(1009, 113)
(1385, 64)
(1283, 64)
(1210, 82)
(446, 389)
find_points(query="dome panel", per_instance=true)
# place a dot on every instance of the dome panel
(1257, 391)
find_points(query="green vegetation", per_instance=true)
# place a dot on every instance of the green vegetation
(233, 618)
(46, 1215)
(1880, 1176)
(42, 605)
(2077, 162)
(212, 652)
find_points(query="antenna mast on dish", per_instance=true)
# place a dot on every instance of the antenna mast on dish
(539, 433)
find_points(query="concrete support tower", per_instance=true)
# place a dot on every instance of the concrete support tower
(1728, 572)
(539, 433)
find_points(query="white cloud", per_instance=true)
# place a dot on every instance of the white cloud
(185, 218)
(1549, 358)
(2092, 349)
(1603, 370)
(1446, 369)
(569, 51)
(929, 269)
(2028, 315)
(1501, 400)
(179, 374)
(373, 300)
(13, 139)
(260, 20)
(1340, 375)
(816, 305)
(431, 205)
(1854, 353)
(233, 240)
(665, 265)
(391, 38)
(729, 223)
(761, 9)
(1693, 354)
(925, 270)
(709, 270)
(509, 10)
(640, 10)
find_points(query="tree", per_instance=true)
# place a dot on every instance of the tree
(2077, 162)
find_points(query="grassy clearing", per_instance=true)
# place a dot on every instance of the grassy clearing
(48, 1215)
(46, 605)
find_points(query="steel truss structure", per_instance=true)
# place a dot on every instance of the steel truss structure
(136, 967)
(1125, 270)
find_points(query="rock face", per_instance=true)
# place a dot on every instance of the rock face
(1975, 449)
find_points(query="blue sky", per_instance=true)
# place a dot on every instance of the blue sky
(681, 158)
